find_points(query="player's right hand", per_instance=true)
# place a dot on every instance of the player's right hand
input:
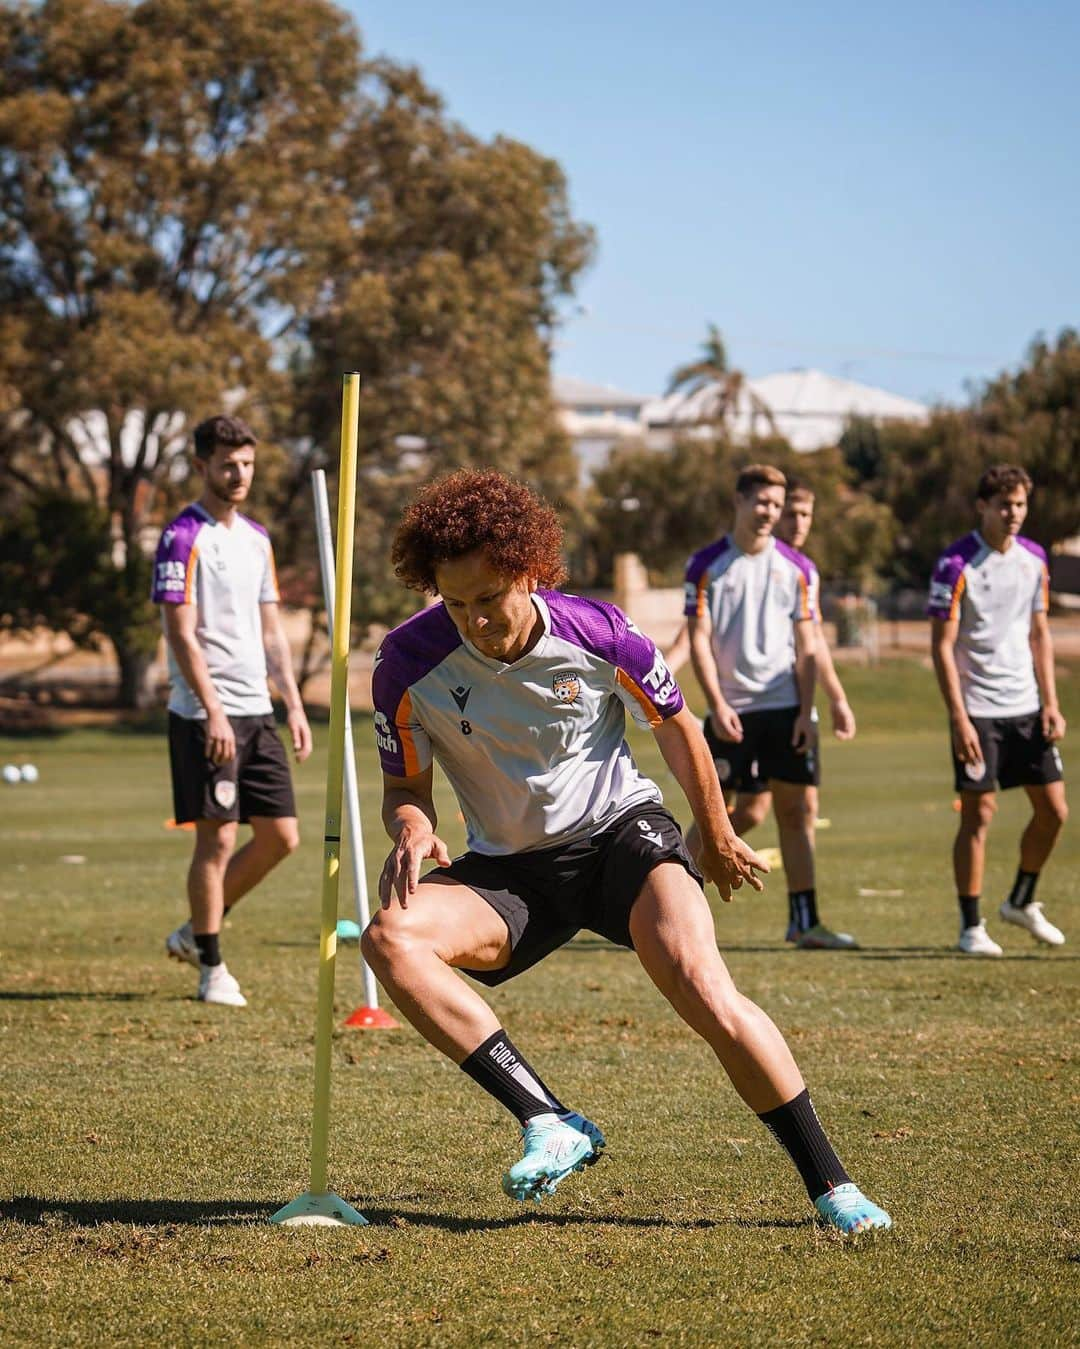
(220, 739)
(726, 723)
(401, 871)
(965, 741)
(729, 865)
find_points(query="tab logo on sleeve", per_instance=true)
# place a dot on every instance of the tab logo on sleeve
(660, 680)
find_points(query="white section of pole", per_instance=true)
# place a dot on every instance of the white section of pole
(352, 794)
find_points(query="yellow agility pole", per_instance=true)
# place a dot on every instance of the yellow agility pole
(320, 1206)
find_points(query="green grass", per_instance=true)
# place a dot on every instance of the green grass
(149, 1137)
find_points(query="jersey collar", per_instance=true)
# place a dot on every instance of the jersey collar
(493, 663)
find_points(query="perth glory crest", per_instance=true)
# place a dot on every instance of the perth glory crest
(566, 687)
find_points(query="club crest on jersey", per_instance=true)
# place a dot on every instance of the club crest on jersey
(566, 687)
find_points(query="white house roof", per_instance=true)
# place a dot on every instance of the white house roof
(809, 408)
(573, 392)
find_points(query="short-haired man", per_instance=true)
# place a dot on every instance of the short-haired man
(752, 606)
(753, 797)
(994, 660)
(520, 693)
(215, 581)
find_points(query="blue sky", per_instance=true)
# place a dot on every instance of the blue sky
(885, 192)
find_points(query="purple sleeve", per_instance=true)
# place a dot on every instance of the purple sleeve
(697, 579)
(407, 654)
(947, 579)
(806, 591)
(642, 681)
(176, 561)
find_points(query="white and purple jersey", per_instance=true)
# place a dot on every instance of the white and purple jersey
(535, 751)
(754, 601)
(226, 572)
(992, 595)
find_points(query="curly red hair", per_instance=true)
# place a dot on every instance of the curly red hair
(478, 509)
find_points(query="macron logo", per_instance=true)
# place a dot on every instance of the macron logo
(460, 696)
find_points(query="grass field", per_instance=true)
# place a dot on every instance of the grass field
(148, 1137)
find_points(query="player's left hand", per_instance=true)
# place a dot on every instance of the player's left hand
(300, 731)
(803, 734)
(732, 863)
(1053, 723)
(843, 720)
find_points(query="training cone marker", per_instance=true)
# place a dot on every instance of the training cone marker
(319, 1210)
(371, 1018)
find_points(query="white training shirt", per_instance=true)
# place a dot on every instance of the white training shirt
(226, 572)
(754, 601)
(992, 595)
(535, 750)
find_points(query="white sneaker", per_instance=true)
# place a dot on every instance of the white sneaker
(976, 941)
(181, 945)
(1031, 917)
(216, 984)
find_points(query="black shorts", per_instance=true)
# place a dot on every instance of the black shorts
(255, 782)
(547, 895)
(764, 752)
(1015, 754)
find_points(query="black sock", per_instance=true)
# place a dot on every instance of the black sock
(504, 1074)
(798, 1130)
(209, 950)
(969, 910)
(802, 909)
(1023, 891)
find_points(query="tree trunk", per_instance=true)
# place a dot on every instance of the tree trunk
(137, 689)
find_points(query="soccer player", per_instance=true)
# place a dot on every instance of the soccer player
(994, 661)
(520, 693)
(214, 579)
(753, 799)
(751, 603)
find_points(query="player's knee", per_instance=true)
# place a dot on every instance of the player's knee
(795, 812)
(390, 939)
(1052, 814)
(287, 838)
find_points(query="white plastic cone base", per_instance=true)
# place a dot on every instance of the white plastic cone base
(319, 1210)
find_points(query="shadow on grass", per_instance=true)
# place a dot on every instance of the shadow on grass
(69, 995)
(945, 953)
(226, 1212)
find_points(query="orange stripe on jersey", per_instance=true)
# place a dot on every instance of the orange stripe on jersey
(408, 746)
(804, 590)
(957, 596)
(654, 717)
(189, 576)
(273, 572)
(702, 587)
(1046, 589)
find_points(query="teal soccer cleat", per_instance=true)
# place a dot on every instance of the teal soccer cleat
(849, 1210)
(554, 1147)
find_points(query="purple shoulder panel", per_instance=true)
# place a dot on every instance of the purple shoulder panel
(1035, 549)
(172, 562)
(409, 652)
(704, 558)
(605, 631)
(798, 560)
(947, 573)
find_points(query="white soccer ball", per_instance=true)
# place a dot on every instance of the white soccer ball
(29, 772)
(12, 774)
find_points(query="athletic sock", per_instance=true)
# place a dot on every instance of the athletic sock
(802, 909)
(1023, 891)
(209, 948)
(798, 1130)
(498, 1067)
(969, 910)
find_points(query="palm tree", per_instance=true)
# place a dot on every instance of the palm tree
(712, 372)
